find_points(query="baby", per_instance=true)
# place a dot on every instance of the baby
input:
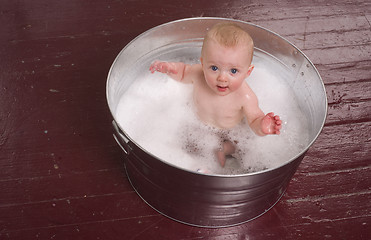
(220, 93)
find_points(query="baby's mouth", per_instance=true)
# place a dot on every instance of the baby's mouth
(222, 88)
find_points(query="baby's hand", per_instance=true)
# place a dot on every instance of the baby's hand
(271, 124)
(163, 67)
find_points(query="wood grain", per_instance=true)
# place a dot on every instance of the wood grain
(62, 174)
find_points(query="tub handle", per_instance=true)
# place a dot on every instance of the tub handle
(121, 139)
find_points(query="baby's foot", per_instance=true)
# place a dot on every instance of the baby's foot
(221, 157)
(228, 148)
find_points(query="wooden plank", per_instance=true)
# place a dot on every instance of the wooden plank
(348, 102)
(79, 96)
(349, 92)
(306, 26)
(287, 10)
(341, 23)
(108, 20)
(74, 211)
(31, 164)
(22, 191)
(339, 147)
(368, 17)
(318, 184)
(51, 162)
(41, 25)
(326, 208)
(123, 228)
(345, 72)
(347, 112)
(337, 38)
(53, 55)
(339, 55)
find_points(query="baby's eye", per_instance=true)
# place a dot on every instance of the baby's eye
(234, 71)
(214, 68)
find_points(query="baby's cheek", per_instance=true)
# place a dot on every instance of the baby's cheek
(210, 80)
(235, 84)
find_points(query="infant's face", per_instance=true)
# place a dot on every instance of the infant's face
(225, 68)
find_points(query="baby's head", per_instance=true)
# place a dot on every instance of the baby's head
(229, 35)
(226, 58)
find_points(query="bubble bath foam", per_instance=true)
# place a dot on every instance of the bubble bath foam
(158, 114)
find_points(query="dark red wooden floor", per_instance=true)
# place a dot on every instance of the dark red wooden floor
(62, 174)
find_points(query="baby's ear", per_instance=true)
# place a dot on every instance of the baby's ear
(250, 69)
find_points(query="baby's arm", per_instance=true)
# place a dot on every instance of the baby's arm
(261, 124)
(176, 70)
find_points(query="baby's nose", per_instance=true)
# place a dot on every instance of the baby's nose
(222, 76)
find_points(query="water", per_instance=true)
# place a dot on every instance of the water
(157, 112)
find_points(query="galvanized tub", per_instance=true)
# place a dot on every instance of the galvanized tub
(204, 199)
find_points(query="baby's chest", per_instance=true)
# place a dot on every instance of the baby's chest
(220, 105)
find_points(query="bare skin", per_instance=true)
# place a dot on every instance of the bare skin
(221, 95)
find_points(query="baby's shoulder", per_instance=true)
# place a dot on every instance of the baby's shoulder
(246, 94)
(196, 68)
(195, 72)
(245, 89)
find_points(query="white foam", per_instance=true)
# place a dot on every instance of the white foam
(157, 112)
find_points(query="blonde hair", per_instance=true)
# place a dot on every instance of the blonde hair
(229, 35)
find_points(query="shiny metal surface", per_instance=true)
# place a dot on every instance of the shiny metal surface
(212, 200)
